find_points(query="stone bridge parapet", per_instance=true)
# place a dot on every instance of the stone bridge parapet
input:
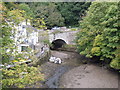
(67, 36)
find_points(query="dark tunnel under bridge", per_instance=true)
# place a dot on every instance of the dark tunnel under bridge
(58, 43)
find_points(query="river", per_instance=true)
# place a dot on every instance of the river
(73, 74)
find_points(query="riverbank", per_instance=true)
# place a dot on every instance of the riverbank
(73, 74)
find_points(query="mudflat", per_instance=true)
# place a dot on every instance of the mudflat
(72, 74)
(89, 76)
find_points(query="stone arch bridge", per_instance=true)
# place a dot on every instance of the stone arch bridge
(60, 37)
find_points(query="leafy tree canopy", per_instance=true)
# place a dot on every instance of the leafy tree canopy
(72, 11)
(26, 8)
(59, 14)
(100, 35)
(49, 13)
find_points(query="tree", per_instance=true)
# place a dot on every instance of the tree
(39, 23)
(72, 11)
(28, 12)
(60, 13)
(5, 31)
(99, 34)
(21, 76)
(49, 13)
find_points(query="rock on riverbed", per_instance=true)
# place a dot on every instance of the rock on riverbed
(55, 60)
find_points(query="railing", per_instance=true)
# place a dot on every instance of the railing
(7, 66)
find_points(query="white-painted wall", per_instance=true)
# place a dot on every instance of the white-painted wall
(21, 36)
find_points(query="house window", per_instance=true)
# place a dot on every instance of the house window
(23, 26)
(24, 48)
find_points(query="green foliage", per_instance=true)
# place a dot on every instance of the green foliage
(28, 13)
(48, 12)
(99, 34)
(74, 29)
(20, 76)
(11, 5)
(72, 11)
(46, 41)
(16, 16)
(59, 13)
(96, 51)
(5, 40)
(39, 23)
(115, 63)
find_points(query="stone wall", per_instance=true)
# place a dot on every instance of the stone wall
(68, 36)
(42, 56)
(42, 51)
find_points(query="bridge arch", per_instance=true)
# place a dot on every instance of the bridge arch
(58, 43)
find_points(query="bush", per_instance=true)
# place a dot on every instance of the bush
(20, 76)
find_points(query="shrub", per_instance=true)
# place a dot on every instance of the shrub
(20, 76)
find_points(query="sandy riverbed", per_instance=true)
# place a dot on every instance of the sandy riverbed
(89, 76)
(77, 75)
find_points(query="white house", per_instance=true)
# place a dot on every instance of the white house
(25, 36)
